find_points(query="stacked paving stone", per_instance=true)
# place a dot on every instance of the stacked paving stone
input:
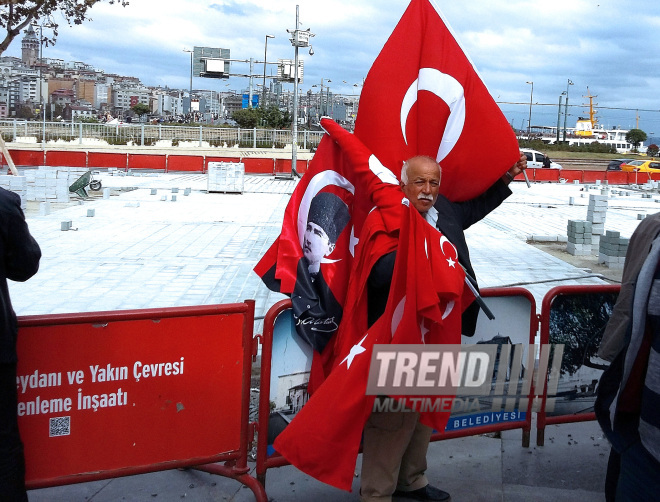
(49, 183)
(596, 213)
(17, 184)
(579, 237)
(612, 250)
(226, 176)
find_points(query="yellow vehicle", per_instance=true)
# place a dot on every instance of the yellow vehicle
(641, 166)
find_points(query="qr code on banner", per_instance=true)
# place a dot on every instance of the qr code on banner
(60, 426)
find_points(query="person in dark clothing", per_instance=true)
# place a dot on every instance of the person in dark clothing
(456, 217)
(628, 398)
(20, 256)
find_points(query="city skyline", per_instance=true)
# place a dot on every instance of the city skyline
(605, 46)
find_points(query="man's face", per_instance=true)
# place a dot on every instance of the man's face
(423, 184)
(316, 243)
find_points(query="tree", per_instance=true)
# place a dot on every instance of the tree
(635, 136)
(140, 109)
(247, 117)
(652, 150)
(17, 15)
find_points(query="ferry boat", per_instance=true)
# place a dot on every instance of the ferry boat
(587, 130)
(584, 133)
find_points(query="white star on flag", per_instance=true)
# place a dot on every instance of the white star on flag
(451, 262)
(355, 350)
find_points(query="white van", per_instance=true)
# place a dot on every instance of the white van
(535, 159)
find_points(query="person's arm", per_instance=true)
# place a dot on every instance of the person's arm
(471, 211)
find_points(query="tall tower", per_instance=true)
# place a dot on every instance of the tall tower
(30, 47)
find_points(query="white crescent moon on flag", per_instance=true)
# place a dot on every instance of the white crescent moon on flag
(451, 92)
(448, 309)
(382, 172)
(444, 240)
(451, 262)
(316, 184)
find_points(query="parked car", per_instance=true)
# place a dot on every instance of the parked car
(615, 164)
(641, 166)
(536, 158)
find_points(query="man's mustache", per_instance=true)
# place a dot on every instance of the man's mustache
(422, 196)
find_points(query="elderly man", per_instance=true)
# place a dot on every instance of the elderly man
(395, 444)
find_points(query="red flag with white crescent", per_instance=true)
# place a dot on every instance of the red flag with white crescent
(423, 96)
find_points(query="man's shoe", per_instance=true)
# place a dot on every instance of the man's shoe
(428, 493)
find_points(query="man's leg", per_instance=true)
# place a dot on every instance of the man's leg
(385, 440)
(412, 482)
(413, 464)
(12, 462)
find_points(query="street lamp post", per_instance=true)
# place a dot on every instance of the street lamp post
(529, 123)
(263, 98)
(300, 39)
(327, 98)
(570, 82)
(559, 114)
(191, 75)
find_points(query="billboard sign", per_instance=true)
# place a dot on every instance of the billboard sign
(286, 70)
(211, 62)
(113, 393)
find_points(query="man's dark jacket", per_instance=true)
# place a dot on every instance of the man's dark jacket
(19, 261)
(456, 217)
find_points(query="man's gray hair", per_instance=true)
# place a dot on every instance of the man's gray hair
(404, 169)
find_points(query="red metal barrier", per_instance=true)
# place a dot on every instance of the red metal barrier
(185, 163)
(111, 394)
(571, 175)
(551, 296)
(593, 176)
(27, 157)
(142, 161)
(105, 160)
(65, 158)
(617, 177)
(266, 459)
(546, 174)
(283, 165)
(259, 166)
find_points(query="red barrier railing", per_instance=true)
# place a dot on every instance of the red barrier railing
(144, 161)
(185, 163)
(560, 328)
(65, 158)
(106, 160)
(266, 460)
(28, 157)
(130, 392)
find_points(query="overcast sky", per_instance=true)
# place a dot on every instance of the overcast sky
(611, 47)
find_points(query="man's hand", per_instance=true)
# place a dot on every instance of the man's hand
(516, 169)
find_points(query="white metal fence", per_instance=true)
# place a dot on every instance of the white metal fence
(151, 134)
